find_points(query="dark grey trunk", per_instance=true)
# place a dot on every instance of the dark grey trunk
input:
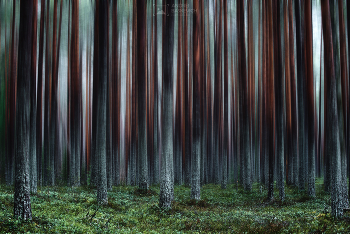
(337, 67)
(299, 19)
(46, 157)
(332, 147)
(40, 93)
(166, 183)
(279, 84)
(102, 103)
(196, 145)
(310, 100)
(22, 206)
(141, 79)
(32, 144)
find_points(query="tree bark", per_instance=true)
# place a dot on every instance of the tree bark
(301, 94)
(167, 184)
(332, 127)
(40, 94)
(142, 95)
(22, 206)
(279, 84)
(101, 8)
(75, 96)
(46, 157)
(32, 155)
(310, 100)
(196, 144)
(270, 102)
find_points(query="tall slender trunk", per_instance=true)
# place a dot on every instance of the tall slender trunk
(301, 93)
(244, 120)
(134, 124)
(279, 113)
(345, 98)
(166, 183)
(270, 103)
(178, 112)
(58, 158)
(196, 144)
(141, 80)
(40, 94)
(53, 108)
(332, 127)
(101, 117)
(217, 91)
(116, 93)
(46, 157)
(75, 96)
(289, 130)
(12, 103)
(310, 100)
(156, 98)
(32, 151)
(22, 206)
(225, 123)
(294, 118)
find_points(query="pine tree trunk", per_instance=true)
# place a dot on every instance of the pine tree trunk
(40, 95)
(301, 94)
(22, 206)
(101, 8)
(75, 99)
(166, 183)
(225, 123)
(270, 103)
(46, 157)
(178, 112)
(279, 84)
(294, 146)
(332, 127)
(141, 80)
(196, 144)
(32, 151)
(310, 100)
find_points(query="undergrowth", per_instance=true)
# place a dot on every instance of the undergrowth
(129, 210)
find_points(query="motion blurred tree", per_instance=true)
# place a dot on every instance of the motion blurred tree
(167, 168)
(22, 206)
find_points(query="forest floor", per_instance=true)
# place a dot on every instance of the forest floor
(231, 210)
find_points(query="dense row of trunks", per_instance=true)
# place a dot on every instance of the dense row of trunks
(231, 118)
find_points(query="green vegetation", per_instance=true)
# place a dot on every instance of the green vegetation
(74, 210)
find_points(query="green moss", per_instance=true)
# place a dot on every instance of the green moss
(74, 210)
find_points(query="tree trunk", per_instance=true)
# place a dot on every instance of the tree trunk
(22, 206)
(40, 94)
(101, 119)
(32, 151)
(75, 99)
(301, 94)
(178, 112)
(167, 184)
(225, 123)
(310, 100)
(142, 95)
(196, 144)
(46, 157)
(279, 84)
(270, 103)
(294, 119)
(345, 93)
(332, 127)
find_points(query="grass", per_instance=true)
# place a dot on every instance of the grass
(74, 210)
